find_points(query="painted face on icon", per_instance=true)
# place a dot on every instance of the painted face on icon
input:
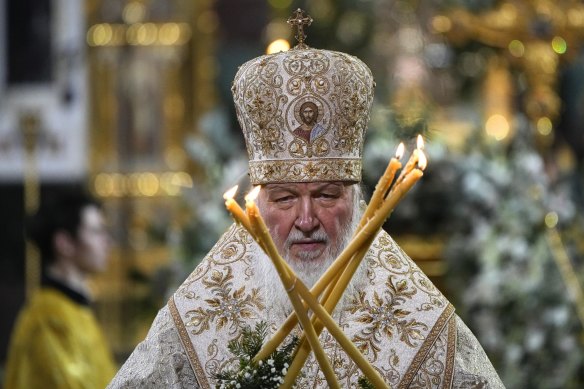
(308, 113)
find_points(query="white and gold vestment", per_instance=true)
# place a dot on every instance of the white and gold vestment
(404, 326)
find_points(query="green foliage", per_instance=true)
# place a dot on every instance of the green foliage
(514, 298)
(364, 383)
(502, 276)
(268, 373)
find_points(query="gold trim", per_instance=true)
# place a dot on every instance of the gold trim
(425, 348)
(322, 169)
(450, 354)
(184, 338)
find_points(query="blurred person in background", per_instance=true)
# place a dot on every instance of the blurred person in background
(56, 341)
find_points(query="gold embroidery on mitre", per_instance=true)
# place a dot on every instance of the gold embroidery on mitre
(303, 112)
(305, 170)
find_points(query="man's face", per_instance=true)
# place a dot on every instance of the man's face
(308, 114)
(93, 241)
(306, 220)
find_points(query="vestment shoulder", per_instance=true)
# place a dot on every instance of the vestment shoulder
(157, 362)
(472, 367)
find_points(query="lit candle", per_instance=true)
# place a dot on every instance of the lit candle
(401, 188)
(236, 212)
(412, 161)
(420, 142)
(423, 160)
(383, 184)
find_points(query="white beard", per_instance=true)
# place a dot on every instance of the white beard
(277, 302)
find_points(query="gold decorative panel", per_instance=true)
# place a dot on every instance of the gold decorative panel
(149, 82)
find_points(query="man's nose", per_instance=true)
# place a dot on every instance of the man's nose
(306, 219)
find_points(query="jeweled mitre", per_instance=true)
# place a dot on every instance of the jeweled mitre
(304, 113)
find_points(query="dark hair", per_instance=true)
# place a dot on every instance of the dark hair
(306, 103)
(60, 211)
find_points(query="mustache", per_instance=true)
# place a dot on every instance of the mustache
(297, 236)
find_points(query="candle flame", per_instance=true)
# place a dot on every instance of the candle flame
(230, 193)
(422, 160)
(399, 153)
(253, 194)
(420, 142)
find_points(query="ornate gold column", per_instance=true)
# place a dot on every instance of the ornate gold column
(535, 36)
(151, 75)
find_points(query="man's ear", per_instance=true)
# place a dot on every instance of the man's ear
(64, 244)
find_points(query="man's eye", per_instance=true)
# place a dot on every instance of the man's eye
(328, 196)
(283, 199)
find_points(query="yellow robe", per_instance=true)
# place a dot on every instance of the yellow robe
(57, 343)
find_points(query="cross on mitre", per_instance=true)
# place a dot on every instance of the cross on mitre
(299, 19)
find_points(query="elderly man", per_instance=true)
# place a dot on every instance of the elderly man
(311, 202)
